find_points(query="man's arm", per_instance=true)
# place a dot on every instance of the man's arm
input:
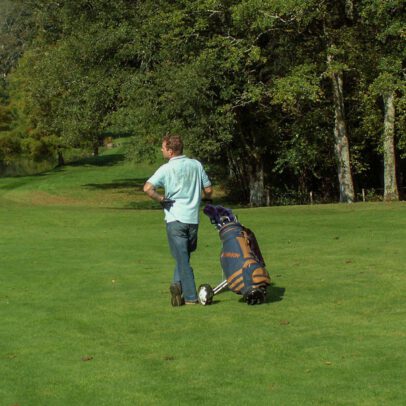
(207, 192)
(149, 189)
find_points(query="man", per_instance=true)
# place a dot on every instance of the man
(183, 179)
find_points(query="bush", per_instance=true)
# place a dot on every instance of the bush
(10, 147)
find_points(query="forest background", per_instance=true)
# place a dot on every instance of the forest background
(279, 98)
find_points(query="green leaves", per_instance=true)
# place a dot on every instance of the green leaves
(247, 82)
(259, 16)
(299, 87)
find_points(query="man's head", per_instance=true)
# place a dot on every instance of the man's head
(172, 146)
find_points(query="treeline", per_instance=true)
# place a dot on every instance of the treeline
(276, 96)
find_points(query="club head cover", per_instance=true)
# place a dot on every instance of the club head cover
(219, 215)
(205, 294)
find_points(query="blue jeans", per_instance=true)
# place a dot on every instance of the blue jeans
(182, 240)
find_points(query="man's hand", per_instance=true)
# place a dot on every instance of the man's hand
(207, 193)
(167, 203)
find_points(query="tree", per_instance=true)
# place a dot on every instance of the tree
(337, 16)
(384, 22)
(219, 80)
(276, 96)
(69, 79)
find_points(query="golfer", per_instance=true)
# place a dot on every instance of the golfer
(184, 180)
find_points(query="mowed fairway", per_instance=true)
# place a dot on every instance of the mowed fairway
(86, 317)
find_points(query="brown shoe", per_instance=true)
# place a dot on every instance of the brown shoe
(176, 294)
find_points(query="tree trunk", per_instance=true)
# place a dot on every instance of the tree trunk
(238, 174)
(391, 187)
(258, 194)
(349, 9)
(61, 160)
(342, 149)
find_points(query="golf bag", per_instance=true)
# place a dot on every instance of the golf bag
(241, 259)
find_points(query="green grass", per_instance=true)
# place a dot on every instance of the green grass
(86, 320)
(105, 181)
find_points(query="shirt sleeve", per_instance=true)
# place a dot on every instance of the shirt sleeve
(158, 178)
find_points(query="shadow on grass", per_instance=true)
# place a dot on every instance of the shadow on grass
(275, 294)
(136, 183)
(142, 205)
(13, 185)
(150, 204)
(101, 160)
(22, 180)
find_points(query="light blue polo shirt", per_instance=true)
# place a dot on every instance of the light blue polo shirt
(183, 180)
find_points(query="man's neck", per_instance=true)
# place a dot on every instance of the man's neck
(176, 156)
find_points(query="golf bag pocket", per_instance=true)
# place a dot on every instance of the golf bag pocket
(241, 266)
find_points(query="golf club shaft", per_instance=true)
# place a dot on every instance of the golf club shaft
(220, 286)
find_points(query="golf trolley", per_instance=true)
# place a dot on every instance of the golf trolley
(241, 260)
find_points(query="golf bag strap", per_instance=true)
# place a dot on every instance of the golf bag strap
(253, 245)
(236, 280)
(244, 245)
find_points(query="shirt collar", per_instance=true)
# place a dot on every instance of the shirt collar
(178, 157)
